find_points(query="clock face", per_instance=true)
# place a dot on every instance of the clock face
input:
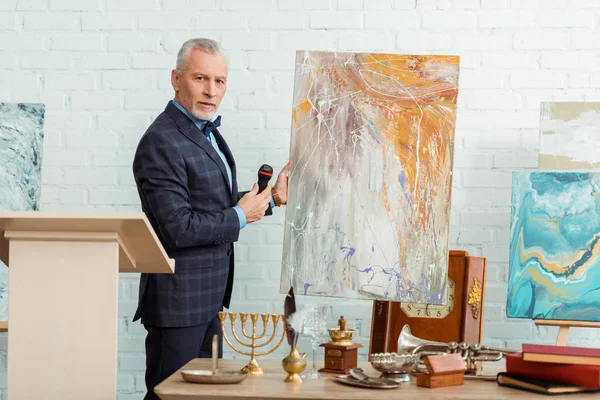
(416, 310)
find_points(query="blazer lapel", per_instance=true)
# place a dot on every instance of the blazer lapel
(191, 131)
(229, 155)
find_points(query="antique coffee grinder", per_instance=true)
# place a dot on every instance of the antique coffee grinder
(341, 355)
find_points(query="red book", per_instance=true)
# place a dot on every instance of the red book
(581, 375)
(561, 354)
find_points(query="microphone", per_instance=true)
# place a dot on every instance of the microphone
(265, 173)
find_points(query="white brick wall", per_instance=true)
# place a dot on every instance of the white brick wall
(102, 68)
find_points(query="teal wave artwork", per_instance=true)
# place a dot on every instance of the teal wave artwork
(554, 270)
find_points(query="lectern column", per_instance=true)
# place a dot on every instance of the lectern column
(63, 309)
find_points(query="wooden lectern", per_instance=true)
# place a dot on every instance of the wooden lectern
(63, 298)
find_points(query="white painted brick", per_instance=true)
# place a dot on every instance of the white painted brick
(584, 4)
(288, 5)
(24, 5)
(48, 21)
(541, 41)
(467, 159)
(244, 120)
(143, 61)
(366, 41)
(133, 5)
(487, 179)
(540, 79)
(126, 177)
(488, 219)
(166, 21)
(8, 60)
(64, 158)
(585, 42)
(466, 198)
(79, 5)
(121, 159)
(107, 21)
(493, 101)
(222, 20)
(569, 60)
(265, 101)
(510, 60)
(70, 81)
(247, 81)
(261, 60)
(54, 60)
(124, 119)
(72, 196)
(76, 42)
(93, 141)
(22, 41)
(278, 121)
(492, 139)
(566, 19)
(96, 100)
(189, 5)
(495, 4)
(465, 4)
(144, 100)
(429, 4)
(391, 20)
(132, 363)
(507, 19)
(101, 61)
(449, 20)
(128, 80)
(52, 175)
(125, 382)
(277, 20)
(377, 4)
(255, 5)
(483, 42)
(349, 4)
(309, 5)
(8, 21)
(403, 4)
(335, 20)
(515, 160)
(474, 236)
(524, 4)
(126, 195)
(306, 40)
(481, 79)
(246, 41)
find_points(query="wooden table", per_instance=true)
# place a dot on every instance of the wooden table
(271, 386)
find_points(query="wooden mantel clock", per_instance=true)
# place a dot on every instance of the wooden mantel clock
(460, 320)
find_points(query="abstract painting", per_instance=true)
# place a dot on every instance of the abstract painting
(554, 270)
(570, 136)
(369, 190)
(21, 141)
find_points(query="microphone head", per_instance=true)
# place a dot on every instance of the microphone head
(265, 172)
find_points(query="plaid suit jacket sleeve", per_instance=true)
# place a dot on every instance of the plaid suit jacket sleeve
(161, 177)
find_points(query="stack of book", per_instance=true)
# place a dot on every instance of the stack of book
(553, 369)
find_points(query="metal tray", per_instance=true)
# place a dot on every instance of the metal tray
(371, 383)
(206, 376)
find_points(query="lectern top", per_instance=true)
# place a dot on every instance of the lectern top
(140, 249)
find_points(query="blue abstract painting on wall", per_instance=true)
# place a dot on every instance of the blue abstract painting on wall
(554, 270)
(21, 141)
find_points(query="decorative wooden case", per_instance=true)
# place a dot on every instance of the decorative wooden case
(460, 320)
(339, 358)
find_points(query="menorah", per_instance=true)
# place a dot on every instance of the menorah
(252, 367)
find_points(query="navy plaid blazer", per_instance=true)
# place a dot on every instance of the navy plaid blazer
(184, 190)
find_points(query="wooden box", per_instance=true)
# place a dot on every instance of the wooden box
(460, 320)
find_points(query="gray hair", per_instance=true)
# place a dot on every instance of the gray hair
(207, 45)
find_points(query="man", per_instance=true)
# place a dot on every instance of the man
(186, 179)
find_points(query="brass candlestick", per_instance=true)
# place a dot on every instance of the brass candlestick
(252, 367)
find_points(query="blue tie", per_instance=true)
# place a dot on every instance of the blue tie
(210, 125)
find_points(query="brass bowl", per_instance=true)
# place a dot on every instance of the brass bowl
(341, 337)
